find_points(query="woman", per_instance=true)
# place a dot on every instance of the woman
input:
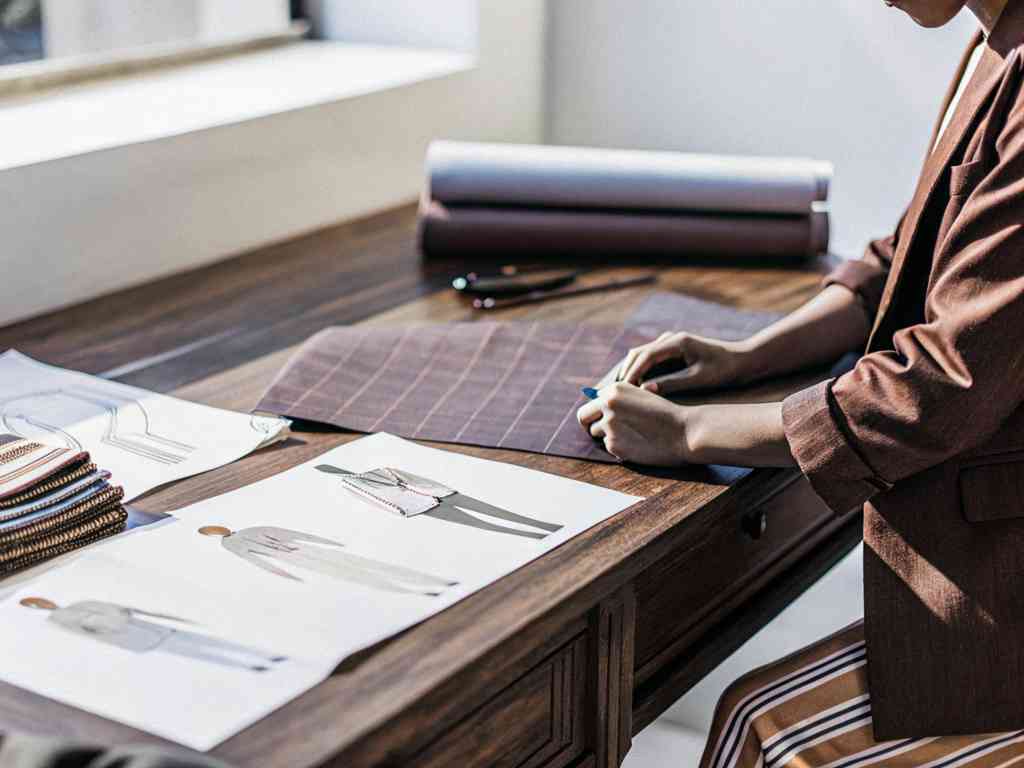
(926, 432)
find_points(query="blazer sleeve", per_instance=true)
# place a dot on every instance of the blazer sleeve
(866, 276)
(951, 381)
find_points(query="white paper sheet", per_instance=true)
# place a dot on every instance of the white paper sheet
(338, 616)
(319, 617)
(162, 690)
(144, 439)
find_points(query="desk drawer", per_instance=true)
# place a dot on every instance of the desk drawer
(728, 558)
(537, 721)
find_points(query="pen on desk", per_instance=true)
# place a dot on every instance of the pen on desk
(535, 296)
(591, 393)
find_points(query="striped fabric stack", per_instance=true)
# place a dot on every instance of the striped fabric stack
(52, 500)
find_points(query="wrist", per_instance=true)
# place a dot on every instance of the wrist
(693, 433)
(747, 435)
(751, 358)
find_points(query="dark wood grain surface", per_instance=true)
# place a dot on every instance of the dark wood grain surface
(218, 335)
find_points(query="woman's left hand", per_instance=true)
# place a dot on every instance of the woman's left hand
(638, 426)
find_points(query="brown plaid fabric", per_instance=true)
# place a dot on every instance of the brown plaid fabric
(502, 385)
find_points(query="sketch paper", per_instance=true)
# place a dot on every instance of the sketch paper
(173, 632)
(380, 550)
(142, 438)
(131, 645)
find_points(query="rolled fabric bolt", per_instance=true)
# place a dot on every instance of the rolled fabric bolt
(536, 232)
(468, 173)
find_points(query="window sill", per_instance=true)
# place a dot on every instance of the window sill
(115, 183)
(158, 104)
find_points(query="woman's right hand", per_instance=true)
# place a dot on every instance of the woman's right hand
(686, 362)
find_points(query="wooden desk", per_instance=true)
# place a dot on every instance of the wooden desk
(558, 664)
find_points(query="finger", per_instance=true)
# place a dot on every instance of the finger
(597, 429)
(626, 363)
(687, 379)
(589, 412)
(611, 447)
(647, 359)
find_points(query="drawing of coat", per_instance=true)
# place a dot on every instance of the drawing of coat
(125, 628)
(410, 495)
(273, 549)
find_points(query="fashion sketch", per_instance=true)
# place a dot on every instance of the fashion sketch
(280, 551)
(126, 422)
(410, 495)
(129, 629)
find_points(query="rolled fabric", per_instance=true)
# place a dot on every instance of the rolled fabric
(536, 232)
(531, 176)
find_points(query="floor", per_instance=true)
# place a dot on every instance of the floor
(676, 739)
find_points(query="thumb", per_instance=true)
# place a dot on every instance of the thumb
(691, 377)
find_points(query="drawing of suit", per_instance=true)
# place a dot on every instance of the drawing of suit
(272, 548)
(124, 628)
(410, 495)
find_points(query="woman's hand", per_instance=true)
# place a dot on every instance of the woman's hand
(638, 426)
(692, 362)
(641, 427)
(820, 332)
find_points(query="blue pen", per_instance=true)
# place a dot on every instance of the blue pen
(590, 392)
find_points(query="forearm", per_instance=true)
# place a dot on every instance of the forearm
(737, 435)
(830, 325)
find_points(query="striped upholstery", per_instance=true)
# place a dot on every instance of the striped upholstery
(813, 710)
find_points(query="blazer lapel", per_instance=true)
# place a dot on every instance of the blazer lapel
(986, 77)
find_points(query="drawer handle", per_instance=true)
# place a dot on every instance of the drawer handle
(755, 523)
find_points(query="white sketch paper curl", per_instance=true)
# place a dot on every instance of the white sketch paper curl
(126, 422)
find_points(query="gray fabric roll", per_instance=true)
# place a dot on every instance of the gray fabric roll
(580, 178)
(464, 230)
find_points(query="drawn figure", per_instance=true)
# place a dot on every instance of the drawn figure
(410, 495)
(273, 548)
(126, 427)
(126, 628)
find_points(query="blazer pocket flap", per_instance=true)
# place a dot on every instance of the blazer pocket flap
(964, 178)
(993, 489)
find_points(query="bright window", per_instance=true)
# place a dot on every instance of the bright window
(63, 29)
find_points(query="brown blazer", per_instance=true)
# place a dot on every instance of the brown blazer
(927, 431)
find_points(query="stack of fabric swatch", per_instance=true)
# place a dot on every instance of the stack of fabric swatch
(52, 500)
(532, 201)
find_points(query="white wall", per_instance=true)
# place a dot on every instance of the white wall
(849, 81)
(74, 228)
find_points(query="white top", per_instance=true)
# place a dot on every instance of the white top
(972, 65)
